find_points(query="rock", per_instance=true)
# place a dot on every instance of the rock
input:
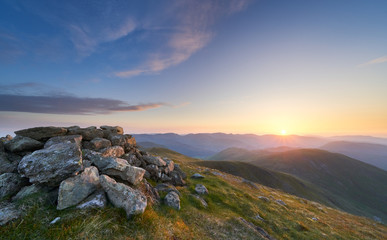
(197, 176)
(11, 183)
(315, 219)
(133, 160)
(147, 175)
(134, 175)
(151, 193)
(100, 143)
(8, 213)
(166, 188)
(75, 189)
(86, 163)
(26, 191)
(55, 220)
(172, 200)
(21, 144)
(177, 179)
(60, 139)
(258, 217)
(264, 198)
(158, 161)
(178, 169)
(52, 165)
(170, 166)
(122, 196)
(95, 200)
(1, 146)
(42, 133)
(88, 134)
(115, 151)
(280, 202)
(109, 130)
(126, 141)
(258, 229)
(5, 165)
(154, 171)
(202, 201)
(201, 189)
(165, 178)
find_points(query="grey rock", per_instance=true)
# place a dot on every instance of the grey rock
(133, 160)
(10, 184)
(26, 191)
(177, 179)
(42, 133)
(2, 146)
(197, 176)
(165, 178)
(99, 143)
(75, 189)
(181, 172)
(55, 220)
(158, 161)
(264, 198)
(154, 171)
(166, 188)
(8, 213)
(201, 189)
(202, 201)
(280, 202)
(88, 134)
(147, 175)
(110, 130)
(122, 196)
(172, 199)
(151, 193)
(52, 165)
(21, 144)
(96, 200)
(60, 139)
(258, 217)
(126, 141)
(134, 175)
(6, 166)
(115, 151)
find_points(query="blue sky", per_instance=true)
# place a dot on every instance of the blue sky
(310, 67)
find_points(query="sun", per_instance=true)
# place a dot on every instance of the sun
(283, 132)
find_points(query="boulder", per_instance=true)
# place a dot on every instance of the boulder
(88, 134)
(265, 199)
(134, 175)
(109, 130)
(178, 169)
(201, 200)
(201, 189)
(8, 213)
(158, 161)
(115, 151)
(154, 171)
(22, 144)
(170, 166)
(172, 199)
(42, 133)
(197, 176)
(120, 167)
(166, 188)
(177, 179)
(126, 141)
(75, 189)
(10, 184)
(100, 143)
(1, 146)
(52, 165)
(26, 191)
(5, 165)
(60, 139)
(132, 160)
(95, 200)
(151, 193)
(120, 195)
(280, 202)
(165, 178)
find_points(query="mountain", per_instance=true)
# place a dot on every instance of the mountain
(371, 153)
(356, 138)
(204, 145)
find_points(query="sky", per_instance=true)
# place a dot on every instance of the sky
(237, 66)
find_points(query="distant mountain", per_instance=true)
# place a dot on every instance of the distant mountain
(363, 139)
(375, 154)
(203, 145)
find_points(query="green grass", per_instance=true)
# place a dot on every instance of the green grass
(229, 199)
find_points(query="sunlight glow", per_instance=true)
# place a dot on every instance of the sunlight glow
(283, 132)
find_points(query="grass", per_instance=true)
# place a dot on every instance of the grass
(229, 200)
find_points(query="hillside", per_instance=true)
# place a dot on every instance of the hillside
(371, 153)
(234, 212)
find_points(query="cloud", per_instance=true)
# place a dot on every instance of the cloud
(192, 32)
(68, 105)
(374, 61)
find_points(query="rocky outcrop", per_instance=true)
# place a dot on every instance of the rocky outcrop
(75, 189)
(166, 188)
(11, 183)
(26, 191)
(201, 189)
(197, 176)
(42, 133)
(110, 131)
(22, 144)
(99, 143)
(88, 134)
(158, 161)
(120, 195)
(95, 200)
(115, 151)
(7, 166)
(60, 139)
(52, 165)
(8, 212)
(172, 199)
(177, 179)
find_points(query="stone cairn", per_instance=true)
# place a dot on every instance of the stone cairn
(82, 168)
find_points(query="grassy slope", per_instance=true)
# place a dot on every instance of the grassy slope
(229, 199)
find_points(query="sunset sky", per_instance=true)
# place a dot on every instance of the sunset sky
(307, 67)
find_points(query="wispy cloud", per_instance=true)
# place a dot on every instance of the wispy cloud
(34, 98)
(191, 33)
(374, 61)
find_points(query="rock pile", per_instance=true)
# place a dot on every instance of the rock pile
(81, 166)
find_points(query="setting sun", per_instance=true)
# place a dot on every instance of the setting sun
(283, 132)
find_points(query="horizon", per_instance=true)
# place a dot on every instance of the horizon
(238, 67)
